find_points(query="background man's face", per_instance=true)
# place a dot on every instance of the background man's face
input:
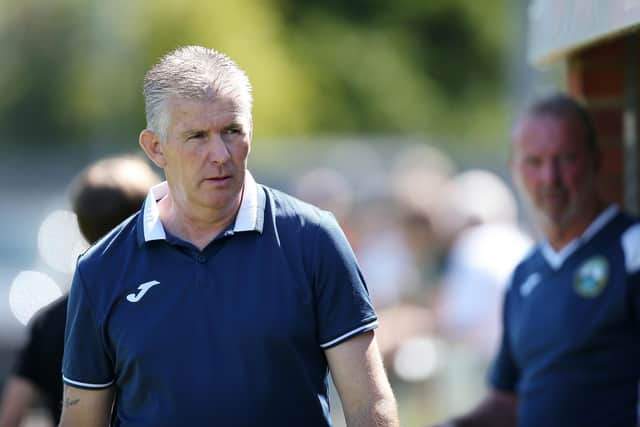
(554, 168)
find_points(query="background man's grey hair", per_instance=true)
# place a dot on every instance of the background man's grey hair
(192, 72)
(560, 105)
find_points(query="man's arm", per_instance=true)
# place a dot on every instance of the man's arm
(86, 407)
(498, 409)
(359, 376)
(17, 397)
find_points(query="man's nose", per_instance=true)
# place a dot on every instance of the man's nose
(218, 152)
(550, 172)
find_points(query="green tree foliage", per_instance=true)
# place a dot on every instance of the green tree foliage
(72, 69)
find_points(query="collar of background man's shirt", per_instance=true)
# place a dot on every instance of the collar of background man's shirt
(556, 259)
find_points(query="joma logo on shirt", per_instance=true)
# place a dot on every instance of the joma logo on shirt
(143, 290)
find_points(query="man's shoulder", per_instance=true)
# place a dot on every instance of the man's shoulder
(629, 238)
(623, 219)
(287, 207)
(532, 258)
(531, 264)
(622, 229)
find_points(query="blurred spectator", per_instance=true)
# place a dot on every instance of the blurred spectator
(418, 175)
(472, 197)
(479, 217)
(477, 272)
(383, 253)
(402, 260)
(102, 195)
(330, 190)
(569, 349)
(487, 244)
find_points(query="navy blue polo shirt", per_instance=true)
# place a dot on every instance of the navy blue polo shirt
(233, 335)
(571, 339)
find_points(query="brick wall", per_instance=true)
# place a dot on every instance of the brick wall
(597, 75)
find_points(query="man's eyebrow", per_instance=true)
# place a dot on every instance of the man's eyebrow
(192, 132)
(235, 124)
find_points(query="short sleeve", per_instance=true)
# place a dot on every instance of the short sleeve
(344, 308)
(86, 363)
(504, 373)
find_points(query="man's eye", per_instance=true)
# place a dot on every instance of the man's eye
(197, 135)
(233, 131)
(532, 161)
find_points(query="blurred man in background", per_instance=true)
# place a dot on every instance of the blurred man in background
(102, 195)
(223, 302)
(486, 245)
(570, 345)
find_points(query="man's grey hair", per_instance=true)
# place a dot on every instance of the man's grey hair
(197, 73)
(561, 105)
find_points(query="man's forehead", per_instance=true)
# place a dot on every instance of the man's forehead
(203, 110)
(546, 126)
(229, 103)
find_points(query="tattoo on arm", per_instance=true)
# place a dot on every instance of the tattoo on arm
(70, 402)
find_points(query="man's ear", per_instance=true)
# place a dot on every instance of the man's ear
(152, 147)
(250, 133)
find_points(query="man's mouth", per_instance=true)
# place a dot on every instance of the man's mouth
(218, 179)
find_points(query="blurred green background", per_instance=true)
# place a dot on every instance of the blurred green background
(72, 69)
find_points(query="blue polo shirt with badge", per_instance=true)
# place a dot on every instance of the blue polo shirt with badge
(233, 335)
(571, 338)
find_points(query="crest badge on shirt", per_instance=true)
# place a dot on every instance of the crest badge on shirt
(591, 277)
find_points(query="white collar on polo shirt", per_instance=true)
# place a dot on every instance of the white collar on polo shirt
(246, 219)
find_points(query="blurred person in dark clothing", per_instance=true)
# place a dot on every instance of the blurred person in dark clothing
(102, 195)
(223, 301)
(570, 344)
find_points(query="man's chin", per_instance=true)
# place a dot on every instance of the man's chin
(556, 217)
(222, 199)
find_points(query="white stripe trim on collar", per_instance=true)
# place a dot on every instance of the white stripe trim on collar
(556, 259)
(153, 229)
(246, 219)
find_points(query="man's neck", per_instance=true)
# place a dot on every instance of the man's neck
(196, 226)
(560, 235)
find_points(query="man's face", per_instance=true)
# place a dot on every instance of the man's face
(554, 168)
(206, 152)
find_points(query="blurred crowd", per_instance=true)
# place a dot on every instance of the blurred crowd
(436, 245)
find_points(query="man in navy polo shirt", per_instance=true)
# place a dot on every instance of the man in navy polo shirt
(570, 350)
(223, 302)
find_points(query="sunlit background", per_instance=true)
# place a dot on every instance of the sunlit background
(393, 114)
